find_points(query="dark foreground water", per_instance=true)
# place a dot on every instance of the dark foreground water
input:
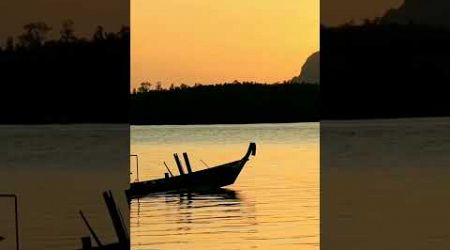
(55, 171)
(385, 184)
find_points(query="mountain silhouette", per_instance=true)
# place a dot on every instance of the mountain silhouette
(310, 71)
(427, 12)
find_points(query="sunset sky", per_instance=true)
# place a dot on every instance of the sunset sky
(86, 15)
(212, 41)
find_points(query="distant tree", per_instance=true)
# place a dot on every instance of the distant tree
(67, 31)
(124, 32)
(145, 87)
(369, 22)
(10, 44)
(99, 34)
(377, 20)
(350, 23)
(158, 86)
(35, 34)
(111, 35)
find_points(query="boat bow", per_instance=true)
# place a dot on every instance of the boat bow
(250, 151)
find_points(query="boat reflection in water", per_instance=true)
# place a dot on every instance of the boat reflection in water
(215, 211)
(190, 200)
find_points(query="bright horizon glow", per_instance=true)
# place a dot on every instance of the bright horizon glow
(216, 41)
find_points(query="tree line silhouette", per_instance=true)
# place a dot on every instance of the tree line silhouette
(69, 79)
(236, 102)
(66, 79)
(384, 70)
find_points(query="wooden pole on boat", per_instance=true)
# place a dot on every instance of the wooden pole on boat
(168, 169)
(115, 217)
(188, 164)
(16, 219)
(137, 167)
(97, 240)
(180, 167)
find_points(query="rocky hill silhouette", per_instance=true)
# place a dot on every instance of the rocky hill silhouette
(310, 71)
(426, 12)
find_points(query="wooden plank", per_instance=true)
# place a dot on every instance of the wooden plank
(188, 164)
(122, 235)
(97, 240)
(180, 167)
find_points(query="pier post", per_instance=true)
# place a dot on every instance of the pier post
(188, 164)
(180, 167)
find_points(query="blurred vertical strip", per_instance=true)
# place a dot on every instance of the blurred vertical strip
(384, 124)
(64, 123)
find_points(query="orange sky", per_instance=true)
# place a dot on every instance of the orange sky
(211, 41)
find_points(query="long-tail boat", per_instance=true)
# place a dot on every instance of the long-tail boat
(210, 178)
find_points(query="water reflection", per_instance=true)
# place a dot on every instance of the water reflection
(187, 201)
(201, 213)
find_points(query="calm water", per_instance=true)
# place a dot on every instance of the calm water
(274, 203)
(56, 170)
(385, 184)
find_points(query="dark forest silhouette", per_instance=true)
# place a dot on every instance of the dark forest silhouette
(86, 80)
(384, 70)
(66, 79)
(227, 103)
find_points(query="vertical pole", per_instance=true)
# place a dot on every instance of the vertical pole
(115, 217)
(188, 164)
(137, 167)
(97, 240)
(168, 169)
(177, 160)
(17, 221)
(16, 215)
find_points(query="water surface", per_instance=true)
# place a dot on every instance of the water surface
(385, 184)
(57, 170)
(274, 203)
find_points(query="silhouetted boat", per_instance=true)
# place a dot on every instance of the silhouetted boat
(210, 178)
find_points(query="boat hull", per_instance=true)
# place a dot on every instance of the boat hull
(210, 178)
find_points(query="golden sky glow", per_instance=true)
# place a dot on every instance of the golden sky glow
(212, 41)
